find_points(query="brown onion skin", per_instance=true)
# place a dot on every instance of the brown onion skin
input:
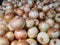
(22, 42)
(14, 42)
(20, 34)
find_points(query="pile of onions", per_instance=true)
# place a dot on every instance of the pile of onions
(30, 22)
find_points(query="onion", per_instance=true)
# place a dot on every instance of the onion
(41, 15)
(31, 41)
(33, 14)
(36, 21)
(20, 34)
(45, 8)
(32, 32)
(29, 22)
(56, 26)
(22, 42)
(43, 26)
(15, 23)
(53, 33)
(2, 32)
(19, 12)
(54, 42)
(9, 35)
(43, 38)
(4, 41)
(50, 22)
(8, 17)
(51, 14)
(57, 18)
(14, 42)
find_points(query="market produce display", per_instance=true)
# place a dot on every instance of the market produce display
(30, 22)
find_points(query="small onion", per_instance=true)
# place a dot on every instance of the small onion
(52, 6)
(26, 9)
(41, 15)
(9, 35)
(57, 9)
(4, 41)
(33, 14)
(2, 32)
(36, 21)
(31, 41)
(3, 26)
(20, 34)
(25, 16)
(8, 17)
(53, 33)
(51, 14)
(15, 23)
(56, 26)
(14, 42)
(43, 38)
(19, 12)
(39, 5)
(32, 32)
(45, 8)
(57, 18)
(22, 42)
(50, 22)
(30, 2)
(19, 4)
(54, 42)
(29, 22)
(43, 26)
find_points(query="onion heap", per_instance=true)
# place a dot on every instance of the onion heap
(30, 22)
